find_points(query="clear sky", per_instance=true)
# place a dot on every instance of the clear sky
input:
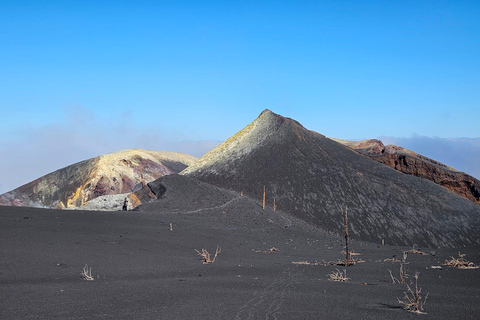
(82, 78)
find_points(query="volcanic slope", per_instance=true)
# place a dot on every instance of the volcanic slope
(410, 162)
(314, 177)
(114, 173)
(184, 194)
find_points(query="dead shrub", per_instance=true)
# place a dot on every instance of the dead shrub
(338, 276)
(329, 263)
(392, 260)
(351, 262)
(206, 255)
(413, 300)
(413, 251)
(271, 250)
(460, 263)
(86, 273)
(307, 263)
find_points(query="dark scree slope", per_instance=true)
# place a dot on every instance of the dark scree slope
(313, 177)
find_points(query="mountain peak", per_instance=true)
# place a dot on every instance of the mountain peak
(266, 125)
(313, 178)
(268, 112)
(268, 115)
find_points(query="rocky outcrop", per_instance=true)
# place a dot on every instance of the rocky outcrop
(415, 164)
(110, 174)
(315, 178)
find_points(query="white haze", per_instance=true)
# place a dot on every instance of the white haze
(32, 152)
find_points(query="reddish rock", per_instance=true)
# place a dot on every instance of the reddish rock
(415, 164)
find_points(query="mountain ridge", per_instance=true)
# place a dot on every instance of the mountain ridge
(314, 177)
(410, 162)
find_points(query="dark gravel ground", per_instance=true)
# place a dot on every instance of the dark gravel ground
(143, 270)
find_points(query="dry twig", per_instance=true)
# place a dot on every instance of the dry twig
(413, 251)
(460, 263)
(338, 276)
(206, 255)
(352, 253)
(308, 263)
(271, 250)
(403, 275)
(392, 260)
(394, 280)
(329, 263)
(86, 273)
(352, 262)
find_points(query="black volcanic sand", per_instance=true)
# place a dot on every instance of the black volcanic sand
(143, 270)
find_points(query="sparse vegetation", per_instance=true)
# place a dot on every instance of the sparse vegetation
(307, 263)
(413, 300)
(329, 263)
(392, 260)
(460, 262)
(86, 273)
(403, 260)
(403, 275)
(352, 253)
(271, 250)
(338, 276)
(413, 251)
(352, 262)
(206, 255)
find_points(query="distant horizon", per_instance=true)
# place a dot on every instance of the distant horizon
(449, 151)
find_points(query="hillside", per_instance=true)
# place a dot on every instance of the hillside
(314, 178)
(109, 174)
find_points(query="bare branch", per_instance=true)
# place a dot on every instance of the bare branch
(338, 276)
(413, 300)
(86, 273)
(206, 255)
(460, 263)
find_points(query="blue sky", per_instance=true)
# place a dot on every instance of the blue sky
(81, 78)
